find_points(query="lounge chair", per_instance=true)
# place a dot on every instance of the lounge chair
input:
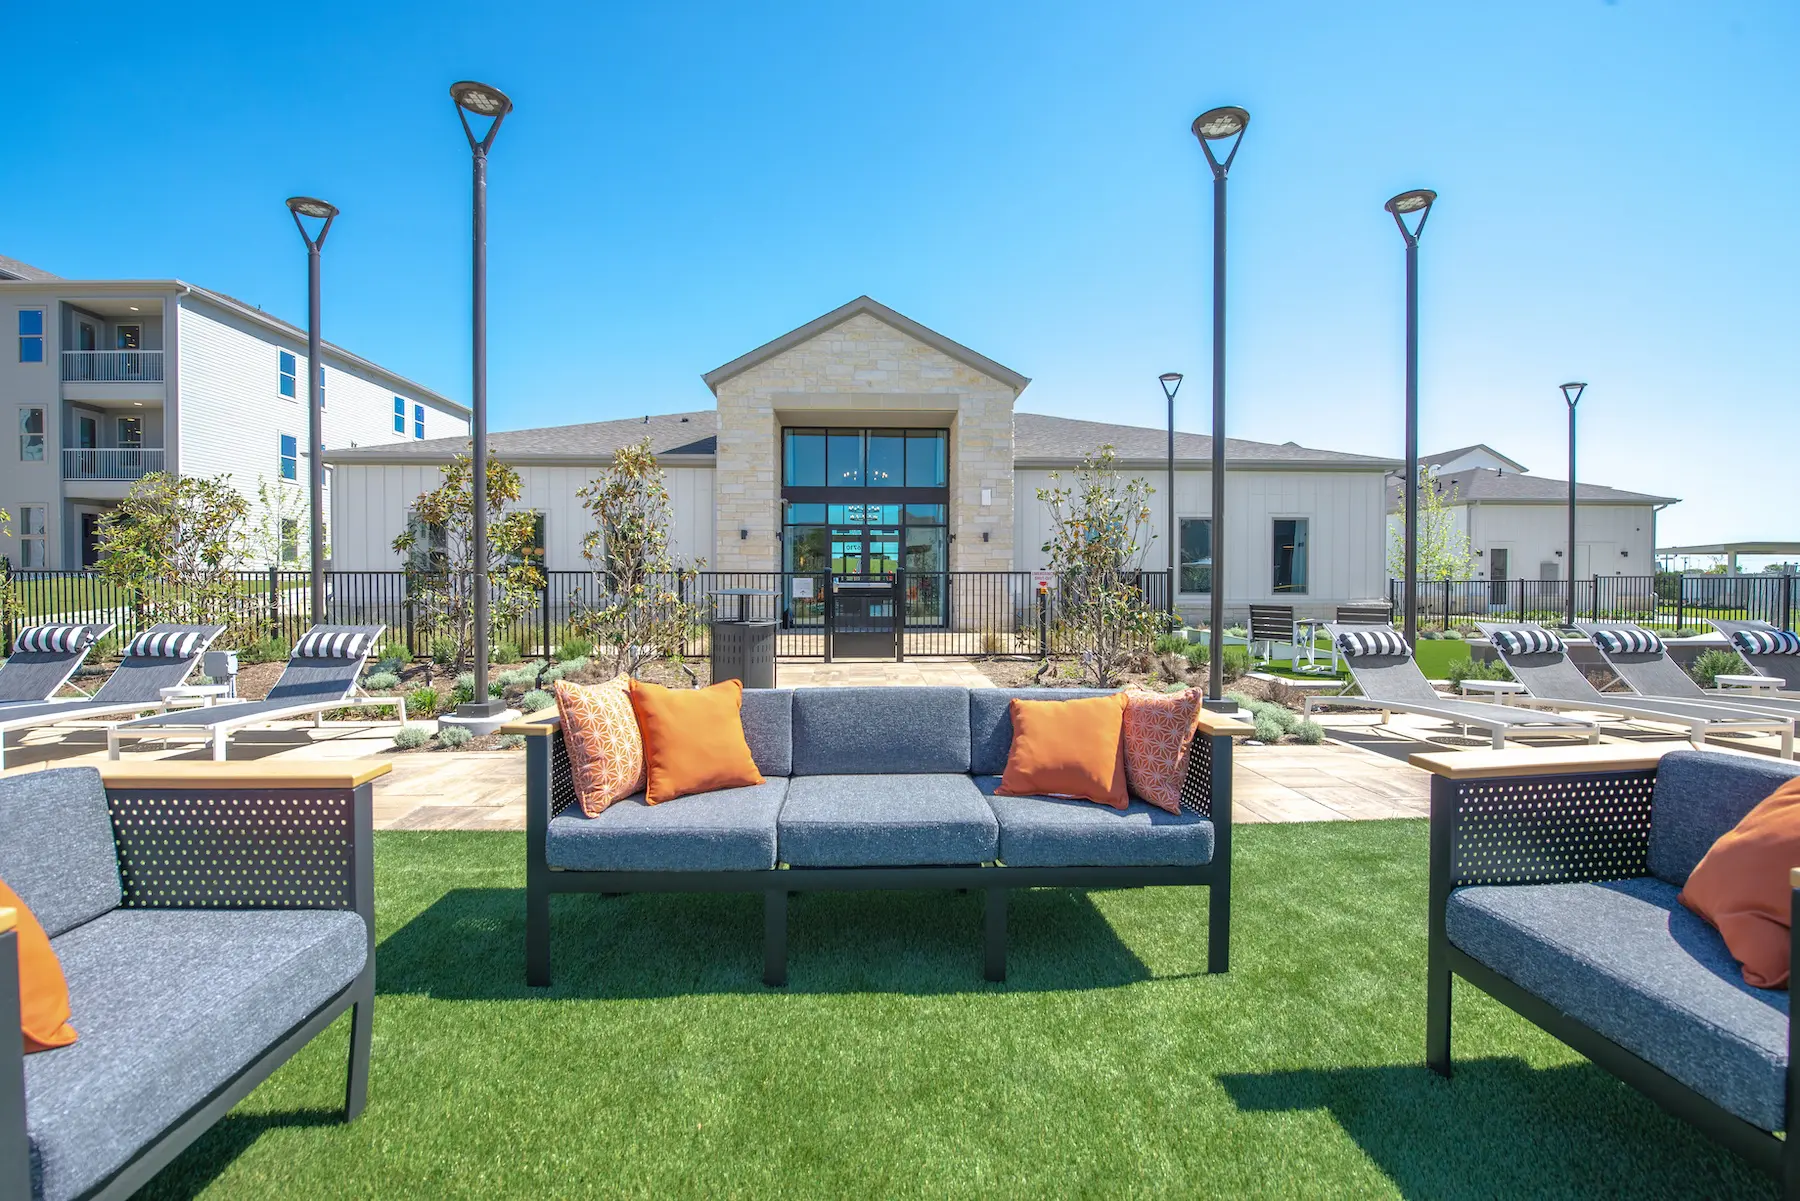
(1783, 665)
(1391, 682)
(1270, 624)
(1540, 661)
(160, 657)
(320, 675)
(1647, 669)
(43, 659)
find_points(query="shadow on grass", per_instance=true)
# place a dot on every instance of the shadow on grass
(194, 1171)
(1503, 1128)
(469, 944)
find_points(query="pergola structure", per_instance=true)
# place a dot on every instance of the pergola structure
(1730, 551)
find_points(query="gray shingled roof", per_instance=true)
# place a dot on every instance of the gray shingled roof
(1485, 485)
(594, 441)
(14, 269)
(1040, 438)
(1445, 456)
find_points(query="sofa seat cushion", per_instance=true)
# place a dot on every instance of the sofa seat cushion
(1626, 959)
(886, 821)
(880, 731)
(171, 1004)
(1042, 831)
(730, 830)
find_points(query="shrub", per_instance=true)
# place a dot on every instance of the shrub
(443, 650)
(1237, 631)
(1430, 635)
(423, 702)
(1309, 732)
(451, 737)
(391, 660)
(993, 642)
(504, 652)
(575, 648)
(571, 666)
(550, 675)
(536, 699)
(463, 691)
(1708, 666)
(1475, 669)
(1690, 632)
(509, 741)
(381, 681)
(1170, 644)
(408, 737)
(1172, 668)
(518, 677)
(263, 650)
(1236, 662)
(1268, 730)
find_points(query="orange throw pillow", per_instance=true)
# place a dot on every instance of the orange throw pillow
(1741, 886)
(43, 993)
(600, 731)
(1068, 748)
(1159, 732)
(693, 739)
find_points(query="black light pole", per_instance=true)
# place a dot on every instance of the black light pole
(1171, 384)
(1417, 201)
(1216, 125)
(307, 206)
(1572, 394)
(482, 101)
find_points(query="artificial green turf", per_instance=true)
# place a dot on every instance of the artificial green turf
(1110, 1062)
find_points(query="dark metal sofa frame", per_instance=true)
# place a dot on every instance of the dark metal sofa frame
(1566, 816)
(549, 789)
(190, 836)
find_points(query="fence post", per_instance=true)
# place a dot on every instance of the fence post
(899, 615)
(546, 610)
(406, 614)
(1680, 600)
(1043, 616)
(830, 612)
(1446, 604)
(274, 604)
(1594, 605)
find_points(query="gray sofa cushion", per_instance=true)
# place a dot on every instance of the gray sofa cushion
(1060, 832)
(880, 731)
(990, 721)
(886, 821)
(1626, 959)
(56, 845)
(1700, 795)
(768, 716)
(169, 1005)
(731, 830)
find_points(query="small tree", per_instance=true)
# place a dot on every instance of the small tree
(1095, 547)
(1444, 552)
(439, 549)
(642, 612)
(283, 520)
(10, 606)
(177, 541)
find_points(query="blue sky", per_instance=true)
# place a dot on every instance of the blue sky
(680, 183)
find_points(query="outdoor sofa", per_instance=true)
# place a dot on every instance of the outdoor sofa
(874, 788)
(209, 922)
(1554, 876)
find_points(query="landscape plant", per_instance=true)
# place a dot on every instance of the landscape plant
(409, 737)
(1708, 666)
(381, 681)
(1443, 547)
(423, 702)
(1472, 668)
(177, 543)
(536, 699)
(279, 505)
(10, 606)
(451, 737)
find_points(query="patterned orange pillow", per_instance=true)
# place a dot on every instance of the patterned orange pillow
(606, 751)
(1159, 732)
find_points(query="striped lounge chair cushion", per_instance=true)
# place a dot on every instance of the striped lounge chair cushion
(1766, 642)
(1376, 640)
(332, 644)
(55, 640)
(166, 644)
(1628, 642)
(1529, 642)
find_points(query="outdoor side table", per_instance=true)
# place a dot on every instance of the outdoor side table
(1311, 626)
(744, 649)
(189, 696)
(1492, 687)
(1751, 683)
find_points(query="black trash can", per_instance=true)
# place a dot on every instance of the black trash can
(743, 649)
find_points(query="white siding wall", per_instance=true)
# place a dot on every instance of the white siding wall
(35, 384)
(1531, 534)
(370, 503)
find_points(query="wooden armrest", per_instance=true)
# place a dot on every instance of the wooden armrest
(177, 774)
(541, 724)
(1476, 765)
(8, 919)
(1218, 723)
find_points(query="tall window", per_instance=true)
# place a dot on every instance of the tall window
(418, 422)
(1196, 554)
(33, 536)
(399, 415)
(31, 434)
(31, 335)
(289, 372)
(290, 539)
(1290, 555)
(819, 458)
(290, 458)
(431, 546)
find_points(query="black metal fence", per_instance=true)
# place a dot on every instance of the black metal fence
(1667, 601)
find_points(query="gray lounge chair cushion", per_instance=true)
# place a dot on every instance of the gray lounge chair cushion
(731, 830)
(56, 845)
(1627, 960)
(886, 821)
(170, 1005)
(1060, 832)
(1700, 795)
(990, 721)
(880, 731)
(768, 716)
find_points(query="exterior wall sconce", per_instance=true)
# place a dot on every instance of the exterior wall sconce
(984, 535)
(743, 535)
(1624, 554)
(1559, 554)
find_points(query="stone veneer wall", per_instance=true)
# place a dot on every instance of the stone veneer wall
(867, 366)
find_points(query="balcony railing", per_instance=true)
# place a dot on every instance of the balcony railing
(112, 463)
(112, 366)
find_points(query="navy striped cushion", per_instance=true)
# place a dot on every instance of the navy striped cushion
(1766, 642)
(1375, 640)
(1628, 642)
(329, 644)
(1531, 641)
(167, 644)
(56, 640)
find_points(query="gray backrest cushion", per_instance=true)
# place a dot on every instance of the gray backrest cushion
(990, 721)
(873, 731)
(1699, 796)
(768, 715)
(56, 845)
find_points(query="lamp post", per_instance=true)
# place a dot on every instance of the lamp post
(1419, 201)
(308, 206)
(482, 101)
(1216, 125)
(1572, 394)
(1171, 384)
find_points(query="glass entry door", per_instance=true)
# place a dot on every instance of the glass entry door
(867, 552)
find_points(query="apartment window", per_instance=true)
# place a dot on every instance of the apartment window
(418, 421)
(399, 415)
(130, 337)
(31, 335)
(290, 539)
(289, 373)
(31, 434)
(290, 458)
(1290, 555)
(431, 546)
(533, 554)
(1196, 554)
(321, 387)
(33, 536)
